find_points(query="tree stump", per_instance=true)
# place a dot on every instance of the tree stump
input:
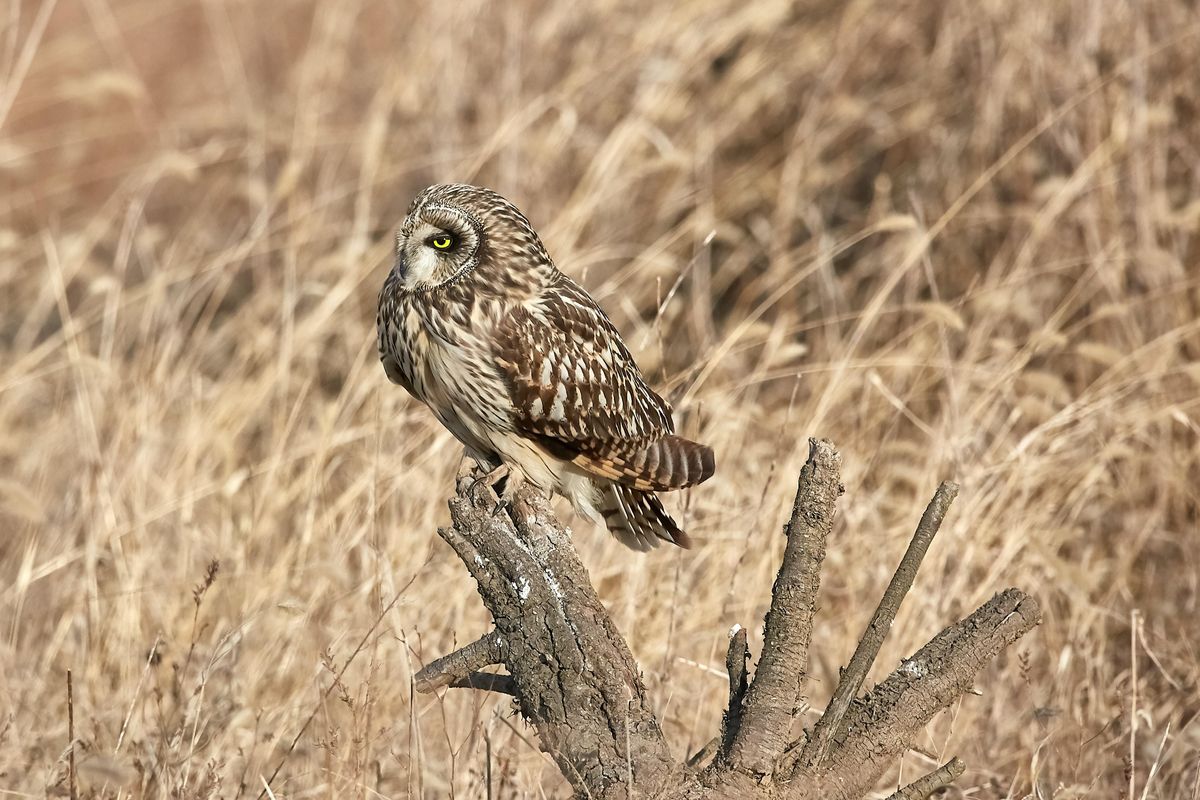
(576, 682)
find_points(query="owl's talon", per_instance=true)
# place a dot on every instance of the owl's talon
(488, 479)
(513, 481)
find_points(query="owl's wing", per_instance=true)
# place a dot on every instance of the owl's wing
(576, 390)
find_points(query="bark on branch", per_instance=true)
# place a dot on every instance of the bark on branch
(882, 724)
(574, 677)
(451, 669)
(735, 665)
(577, 683)
(783, 668)
(942, 776)
(816, 752)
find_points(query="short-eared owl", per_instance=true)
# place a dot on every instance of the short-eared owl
(523, 367)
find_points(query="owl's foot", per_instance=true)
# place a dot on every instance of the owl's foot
(481, 476)
(507, 482)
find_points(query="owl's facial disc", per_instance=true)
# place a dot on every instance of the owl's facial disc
(436, 245)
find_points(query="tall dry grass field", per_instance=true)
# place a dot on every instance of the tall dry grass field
(961, 239)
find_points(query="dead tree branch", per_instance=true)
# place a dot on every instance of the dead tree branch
(577, 683)
(487, 682)
(572, 673)
(783, 668)
(923, 787)
(883, 723)
(450, 669)
(735, 665)
(830, 725)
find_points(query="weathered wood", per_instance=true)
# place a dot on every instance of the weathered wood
(574, 677)
(575, 680)
(783, 668)
(818, 747)
(923, 787)
(455, 667)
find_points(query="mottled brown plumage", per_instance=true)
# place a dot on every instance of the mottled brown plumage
(523, 367)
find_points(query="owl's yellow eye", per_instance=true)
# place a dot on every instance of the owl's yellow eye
(442, 242)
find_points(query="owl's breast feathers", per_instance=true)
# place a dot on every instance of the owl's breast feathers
(433, 344)
(395, 351)
(576, 391)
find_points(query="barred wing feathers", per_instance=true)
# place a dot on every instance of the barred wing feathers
(576, 390)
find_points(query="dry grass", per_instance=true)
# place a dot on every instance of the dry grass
(960, 239)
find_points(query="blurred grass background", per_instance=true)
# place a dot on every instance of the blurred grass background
(958, 238)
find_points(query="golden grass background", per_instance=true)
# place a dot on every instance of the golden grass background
(960, 239)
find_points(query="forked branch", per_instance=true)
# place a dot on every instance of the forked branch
(887, 720)
(817, 750)
(576, 681)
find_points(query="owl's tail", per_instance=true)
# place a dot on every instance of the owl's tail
(637, 519)
(670, 462)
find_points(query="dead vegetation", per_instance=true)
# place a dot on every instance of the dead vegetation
(576, 682)
(959, 239)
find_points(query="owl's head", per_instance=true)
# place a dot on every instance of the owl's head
(453, 230)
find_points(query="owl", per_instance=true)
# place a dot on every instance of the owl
(524, 368)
